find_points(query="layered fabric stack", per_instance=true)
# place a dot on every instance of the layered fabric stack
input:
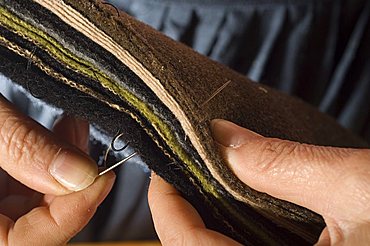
(101, 64)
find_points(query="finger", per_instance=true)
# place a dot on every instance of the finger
(61, 220)
(324, 239)
(176, 221)
(38, 159)
(319, 178)
(73, 130)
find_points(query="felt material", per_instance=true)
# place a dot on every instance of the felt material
(123, 75)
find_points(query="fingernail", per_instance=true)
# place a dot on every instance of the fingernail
(229, 134)
(73, 171)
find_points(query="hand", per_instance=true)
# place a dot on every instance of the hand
(334, 182)
(35, 162)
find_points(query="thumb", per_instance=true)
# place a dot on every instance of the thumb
(319, 178)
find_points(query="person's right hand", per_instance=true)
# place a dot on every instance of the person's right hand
(34, 162)
(334, 182)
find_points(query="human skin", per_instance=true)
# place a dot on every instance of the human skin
(334, 182)
(49, 188)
